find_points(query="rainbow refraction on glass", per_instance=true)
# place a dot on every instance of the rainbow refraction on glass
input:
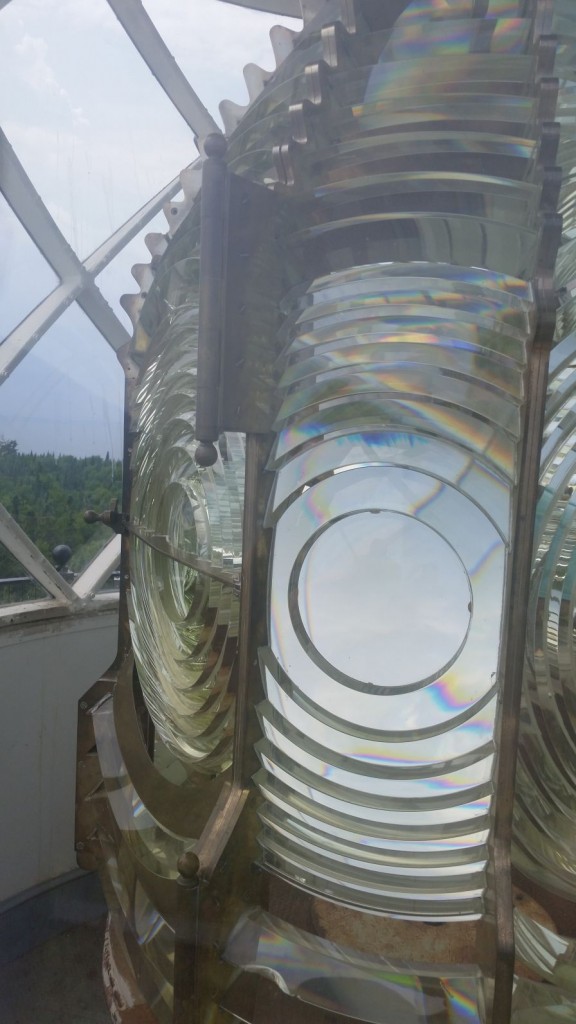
(184, 624)
(337, 720)
(397, 454)
(391, 512)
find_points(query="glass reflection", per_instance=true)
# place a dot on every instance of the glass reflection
(545, 804)
(185, 625)
(344, 981)
(387, 578)
(383, 567)
(148, 842)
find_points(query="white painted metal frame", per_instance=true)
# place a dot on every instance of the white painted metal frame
(12, 536)
(86, 586)
(77, 277)
(148, 41)
(77, 283)
(289, 8)
(62, 598)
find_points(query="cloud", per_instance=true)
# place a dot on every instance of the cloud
(93, 182)
(81, 15)
(95, 132)
(79, 118)
(35, 71)
(213, 41)
(34, 67)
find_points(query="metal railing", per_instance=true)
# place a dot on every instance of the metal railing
(16, 589)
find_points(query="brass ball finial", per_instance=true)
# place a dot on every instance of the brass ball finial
(188, 864)
(215, 145)
(205, 454)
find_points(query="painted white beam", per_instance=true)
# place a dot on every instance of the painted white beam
(106, 252)
(34, 216)
(99, 570)
(148, 41)
(23, 338)
(288, 8)
(30, 210)
(32, 327)
(20, 545)
(103, 317)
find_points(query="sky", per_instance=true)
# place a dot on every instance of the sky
(98, 137)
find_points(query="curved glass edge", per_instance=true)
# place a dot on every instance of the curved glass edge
(185, 626)
(151, 844)
(344, 981)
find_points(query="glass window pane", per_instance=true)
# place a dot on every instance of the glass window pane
(67, 395)
(213, 50)
(117, 279)
(16, 583)
(47, 494)
(62, 408)
(109, 136)
(25, 276)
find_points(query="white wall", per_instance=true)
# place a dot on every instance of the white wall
(44, 670)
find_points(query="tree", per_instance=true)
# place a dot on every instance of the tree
(48, 494)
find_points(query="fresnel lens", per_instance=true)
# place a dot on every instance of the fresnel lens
(348, 627)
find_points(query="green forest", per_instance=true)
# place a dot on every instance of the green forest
(47, 496)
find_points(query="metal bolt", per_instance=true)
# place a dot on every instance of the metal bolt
(188, 865)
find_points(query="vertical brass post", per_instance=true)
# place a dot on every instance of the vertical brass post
(186, 941)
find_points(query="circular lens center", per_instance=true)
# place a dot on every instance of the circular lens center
(384, 599)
